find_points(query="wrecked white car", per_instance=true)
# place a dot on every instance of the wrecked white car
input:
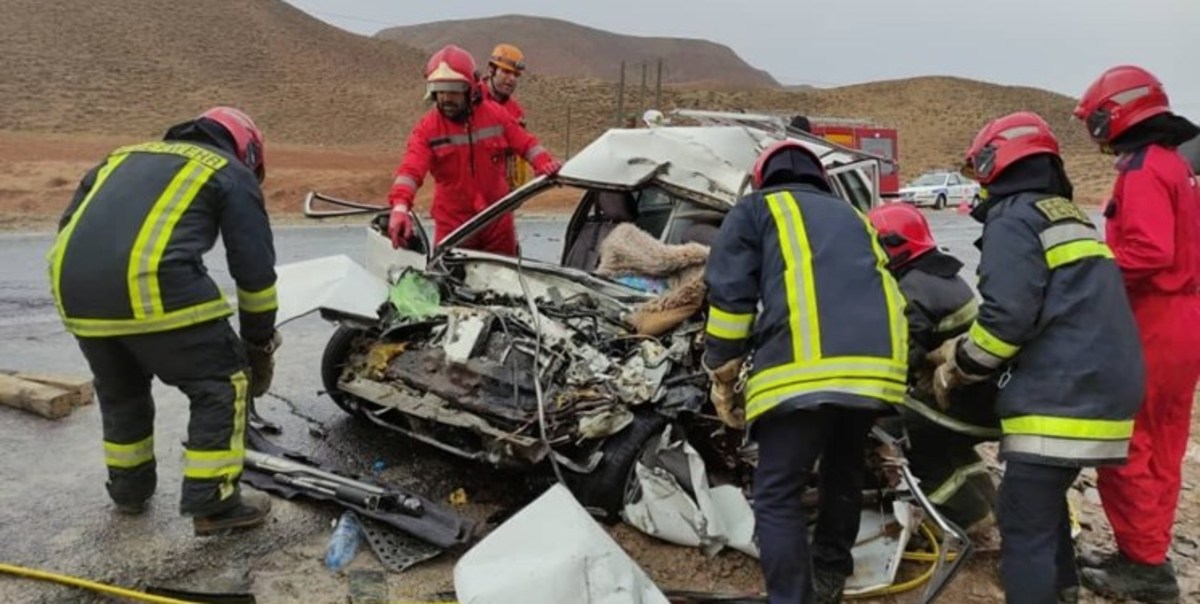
(591, 364)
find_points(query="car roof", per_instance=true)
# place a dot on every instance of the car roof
(709, 162)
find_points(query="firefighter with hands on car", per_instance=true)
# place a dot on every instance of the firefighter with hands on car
(463, 141)
(1153, 228)
(506, 65)
(940, 306)
(829, 355)
(1055, 324)
(128, 278)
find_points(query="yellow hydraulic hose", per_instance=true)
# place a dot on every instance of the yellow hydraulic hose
(914, 583)
(41, 575)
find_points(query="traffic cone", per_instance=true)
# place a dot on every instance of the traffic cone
(964, 207)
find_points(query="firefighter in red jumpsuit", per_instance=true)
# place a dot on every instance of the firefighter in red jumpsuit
(462, 140)
(1153, 228)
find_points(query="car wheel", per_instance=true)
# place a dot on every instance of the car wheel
(333, 361)
(940, 203)
(603, 491)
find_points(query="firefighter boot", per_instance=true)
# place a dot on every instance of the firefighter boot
(828, 585)
(251, 511)
(1125, 579)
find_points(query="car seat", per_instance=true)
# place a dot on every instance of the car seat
(609, 208)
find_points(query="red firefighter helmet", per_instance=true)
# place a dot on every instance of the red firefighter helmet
(450, 69)
(1004, 141)
(1121, 97)
(903, 231)
(247, 138)
(781, 151)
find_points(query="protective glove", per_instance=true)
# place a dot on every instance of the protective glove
(399, 225)
(725, 394)
(262, 363)
(948, 376)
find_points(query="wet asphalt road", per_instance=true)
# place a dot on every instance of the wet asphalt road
(54, 512)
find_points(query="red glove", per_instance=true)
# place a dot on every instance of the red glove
(399, 225)
(546, 165)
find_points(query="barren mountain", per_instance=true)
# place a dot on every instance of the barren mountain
(130, 68)
(561, 48)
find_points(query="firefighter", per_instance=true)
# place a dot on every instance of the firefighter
(1153, 228)
(506, 65)
(829, 354)
(462, 140)
(940, 306)
(128, 278)
(1055, 323)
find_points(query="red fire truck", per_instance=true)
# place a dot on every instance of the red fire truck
(865, 136)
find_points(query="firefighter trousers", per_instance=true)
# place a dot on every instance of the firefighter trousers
(789, 445)
(1037, 555)
(206, 362)
(1140, 497)
(952, 474)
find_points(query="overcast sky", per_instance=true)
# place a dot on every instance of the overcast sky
(1060, 45)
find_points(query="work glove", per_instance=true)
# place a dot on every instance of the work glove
(399, 225)
(262, 363)
(726, 393)
(948, 376)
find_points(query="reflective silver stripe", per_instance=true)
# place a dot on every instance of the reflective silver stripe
(979, 355)
(466, 139)
(534, 152)
(405, 181)
(1063, 233)
(1065, 448)
(1132, 94)
(965, 315)
(878, 389)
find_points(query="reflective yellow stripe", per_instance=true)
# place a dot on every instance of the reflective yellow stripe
(797, 257)
(1069, 427)
(728, 325)
(1075, 251)
(212, 464)
(991, 344)
(862, 367)
(897, 320)
(151, 241)
(960, 318)
(956, 481)
(260, 301)
(227, 463)
(129, 455)
(101, 328)
(59, 250)
(892, 392)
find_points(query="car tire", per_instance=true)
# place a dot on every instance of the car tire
(940, 203)
(603, 491)
(332, 362)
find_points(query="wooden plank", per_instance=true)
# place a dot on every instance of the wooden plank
(81, 386)
(46, 401)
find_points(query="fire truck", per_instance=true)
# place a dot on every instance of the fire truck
(865, 136)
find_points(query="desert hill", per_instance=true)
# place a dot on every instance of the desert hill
(128, 69)
(561, 48)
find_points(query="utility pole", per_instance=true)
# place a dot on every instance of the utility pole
(642, 94)
(621, 98)
(658, 86)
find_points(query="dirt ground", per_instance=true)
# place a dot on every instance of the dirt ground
(678, 568)
(39, 173)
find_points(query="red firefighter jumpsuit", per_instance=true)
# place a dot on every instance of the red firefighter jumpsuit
(467, 160)
(1153, 229)
(510, 104)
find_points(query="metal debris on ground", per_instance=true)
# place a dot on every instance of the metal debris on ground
(396, 550)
